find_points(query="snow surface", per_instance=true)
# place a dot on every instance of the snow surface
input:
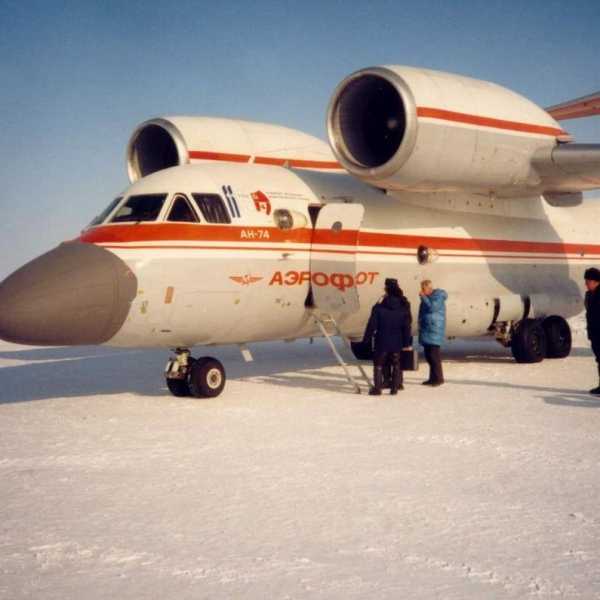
(291, 486)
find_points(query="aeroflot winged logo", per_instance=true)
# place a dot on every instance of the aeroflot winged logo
(261, 201)
(245, 279)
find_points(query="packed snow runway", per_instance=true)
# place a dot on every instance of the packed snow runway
(291, 486)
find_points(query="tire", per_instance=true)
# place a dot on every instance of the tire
(362, 351)
(178, 387)
(529, 342)
(206, 378)
(558, 337)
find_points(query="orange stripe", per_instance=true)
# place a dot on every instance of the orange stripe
(270, 160)
(374, 252)
(297, 163)
(313, 164)
(457, 117)
(475, 244)
(225, 156)
(157, 232)
(183, 232)
(422, 111)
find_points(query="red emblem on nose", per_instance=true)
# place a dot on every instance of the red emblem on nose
(262, 202)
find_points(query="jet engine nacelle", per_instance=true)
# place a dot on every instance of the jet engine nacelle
(402, 128)
(171, 141)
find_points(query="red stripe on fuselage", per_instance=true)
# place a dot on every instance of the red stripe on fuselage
(249, 236)
(176, 232)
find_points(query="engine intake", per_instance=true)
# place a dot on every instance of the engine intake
(154, 146)
(371, 118)
(372, 121)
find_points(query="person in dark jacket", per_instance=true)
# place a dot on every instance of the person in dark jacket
(592, 315)
(432, 329)
(390, 325)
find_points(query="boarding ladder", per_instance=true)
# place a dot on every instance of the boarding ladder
(329, 328)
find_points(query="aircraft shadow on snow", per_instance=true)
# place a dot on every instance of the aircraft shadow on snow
(89, 371)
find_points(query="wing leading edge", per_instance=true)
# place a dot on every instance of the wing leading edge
(586, 106)
(568, 169)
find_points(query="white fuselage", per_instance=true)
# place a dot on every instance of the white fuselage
(248, 280)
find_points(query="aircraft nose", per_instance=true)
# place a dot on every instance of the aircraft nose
(75, 294)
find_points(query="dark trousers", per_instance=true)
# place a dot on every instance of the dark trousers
(433, 357)
(383, 362)
(596, 350)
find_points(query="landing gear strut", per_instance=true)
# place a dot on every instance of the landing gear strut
(199, 377)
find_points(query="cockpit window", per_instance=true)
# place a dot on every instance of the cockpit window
(145, 207)
(212, 208)
(102, 216)
(181, 211)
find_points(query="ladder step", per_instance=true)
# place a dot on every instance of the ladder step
(320, 320)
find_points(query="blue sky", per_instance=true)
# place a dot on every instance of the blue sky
(77, 77)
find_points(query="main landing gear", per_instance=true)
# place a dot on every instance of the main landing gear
(199, 377)
(533, 340)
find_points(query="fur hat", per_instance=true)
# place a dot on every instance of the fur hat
(592, 274)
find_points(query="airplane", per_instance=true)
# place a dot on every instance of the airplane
(234, 232)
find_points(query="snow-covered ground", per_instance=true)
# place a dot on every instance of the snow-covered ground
(290, 486)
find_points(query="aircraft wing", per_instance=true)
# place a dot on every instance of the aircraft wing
(568, 169)
(585, 106)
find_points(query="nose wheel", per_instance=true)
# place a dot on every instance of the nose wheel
(198, 377)
(206, 378)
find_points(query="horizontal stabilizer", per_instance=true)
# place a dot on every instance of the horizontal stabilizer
(586, 106)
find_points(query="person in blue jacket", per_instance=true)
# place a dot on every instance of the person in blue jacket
(390, 325)
(432, 329)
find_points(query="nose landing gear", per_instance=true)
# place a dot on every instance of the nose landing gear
(198, 377)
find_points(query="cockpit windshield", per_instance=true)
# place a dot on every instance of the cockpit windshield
(104, 214)
(144, 207)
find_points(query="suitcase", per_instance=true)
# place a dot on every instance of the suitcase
(409, 360)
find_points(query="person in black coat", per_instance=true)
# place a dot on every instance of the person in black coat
(592, 315)
(390, 325)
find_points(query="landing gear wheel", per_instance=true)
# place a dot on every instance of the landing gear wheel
(529, 342)
(206, 378)
(178, 387)
(558, 337)
(362, 351)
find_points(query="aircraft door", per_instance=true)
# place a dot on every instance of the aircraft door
(333, 259)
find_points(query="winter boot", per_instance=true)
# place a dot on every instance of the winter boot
(377, 381)
(387, 376)
(396, 380)
(596, 390)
